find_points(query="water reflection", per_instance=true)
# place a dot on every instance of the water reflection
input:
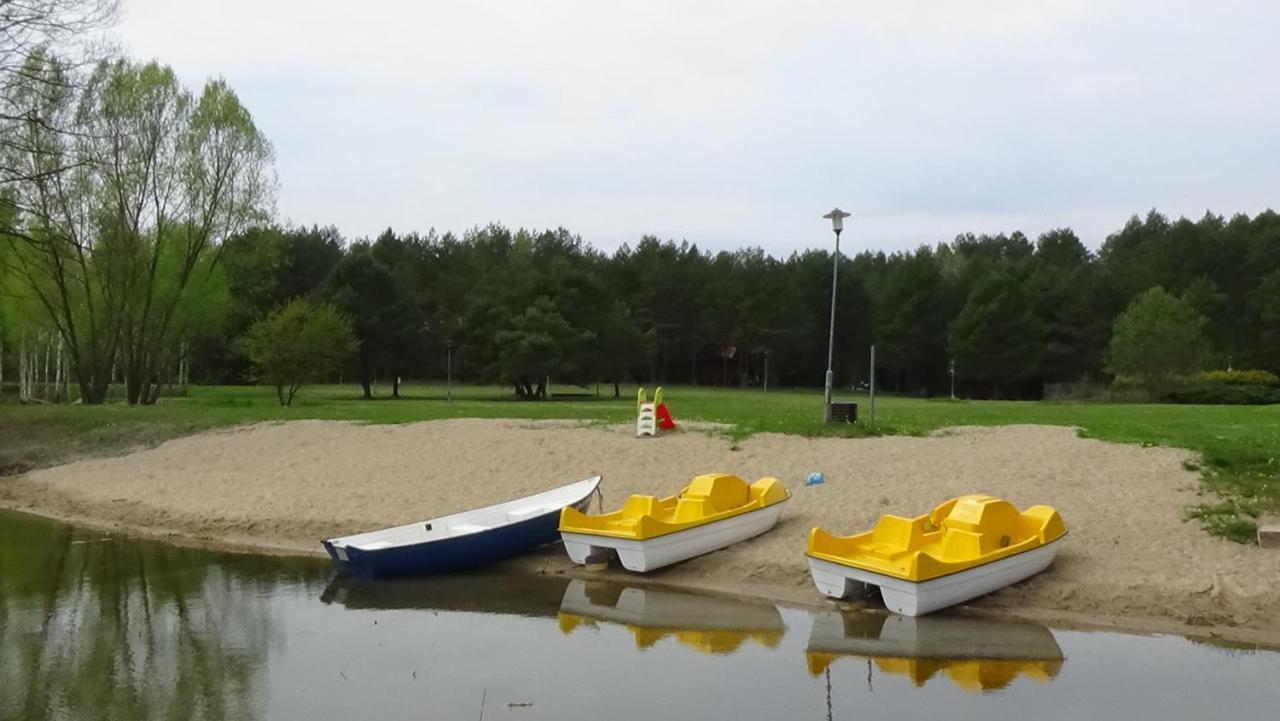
(707, 624)
(97, 627)
(471, 592)
(93, 626)
(974, 654)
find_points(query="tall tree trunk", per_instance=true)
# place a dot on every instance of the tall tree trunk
(366, 378)
(44, 370)
(66, 378)
(22, 372)
(617, 392)
(395, 386)
(57, 375)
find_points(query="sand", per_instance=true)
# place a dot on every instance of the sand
(1130, 559)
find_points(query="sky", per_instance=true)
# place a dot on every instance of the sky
(741, 123)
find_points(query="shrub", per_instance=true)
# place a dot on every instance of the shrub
(301, 342)
(1241, 377)
(1157, 339)
(1210, 393)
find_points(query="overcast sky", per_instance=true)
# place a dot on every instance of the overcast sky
(741, 122)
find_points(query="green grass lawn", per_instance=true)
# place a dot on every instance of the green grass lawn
(1239, 445)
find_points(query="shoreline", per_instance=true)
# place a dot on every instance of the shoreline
(1133, 563)
(550, 560)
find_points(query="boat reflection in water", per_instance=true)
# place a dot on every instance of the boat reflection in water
(708, 624)
(974, 654)
(521, 595)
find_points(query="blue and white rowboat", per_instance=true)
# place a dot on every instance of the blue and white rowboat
(462, 540)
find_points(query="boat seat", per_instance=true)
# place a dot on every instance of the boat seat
(465, 528)
(636, 506)
(898, 533)
(693, 509)
(373, 546)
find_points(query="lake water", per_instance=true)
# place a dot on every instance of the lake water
(94, 626)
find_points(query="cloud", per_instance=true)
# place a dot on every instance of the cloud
(732, 123)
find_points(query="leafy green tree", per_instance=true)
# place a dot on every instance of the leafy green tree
(913, 307)
(1158, 338)
(264, 267)
(1266, 300)
(30, 29)
(158, 178)
(997, 337)
(386, 323)
(298, 343)
(536, 344)
(1062, 286)
(621, 345)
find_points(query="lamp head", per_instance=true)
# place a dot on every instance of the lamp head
(837, 217)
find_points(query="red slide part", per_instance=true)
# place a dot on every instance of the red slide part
(665, 421)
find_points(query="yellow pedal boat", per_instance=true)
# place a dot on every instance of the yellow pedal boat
(964, 548)
(714, 511)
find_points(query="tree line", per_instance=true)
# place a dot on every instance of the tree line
(519, 307)
(137, 249)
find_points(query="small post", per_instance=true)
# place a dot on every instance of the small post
(766, 371)
(951, 370)
(448, 383)
(873, 384)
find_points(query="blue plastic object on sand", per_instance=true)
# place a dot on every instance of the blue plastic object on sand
(814, 479)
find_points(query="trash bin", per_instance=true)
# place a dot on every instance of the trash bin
(844, 412)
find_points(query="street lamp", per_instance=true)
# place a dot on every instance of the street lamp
(837, 217)
(448, 379)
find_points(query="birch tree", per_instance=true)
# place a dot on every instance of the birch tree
(118, 221)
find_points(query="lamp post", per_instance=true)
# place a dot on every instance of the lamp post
(837, 217)
(448, 378)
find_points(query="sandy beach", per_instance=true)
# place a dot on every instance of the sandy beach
(1130, 560)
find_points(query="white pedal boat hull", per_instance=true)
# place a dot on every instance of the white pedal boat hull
(654, 553)
(910, 598)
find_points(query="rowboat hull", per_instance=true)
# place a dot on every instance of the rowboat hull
(472, 547)
(650, 554)
(910, 598)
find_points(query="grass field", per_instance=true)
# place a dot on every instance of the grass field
(1239, 445)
